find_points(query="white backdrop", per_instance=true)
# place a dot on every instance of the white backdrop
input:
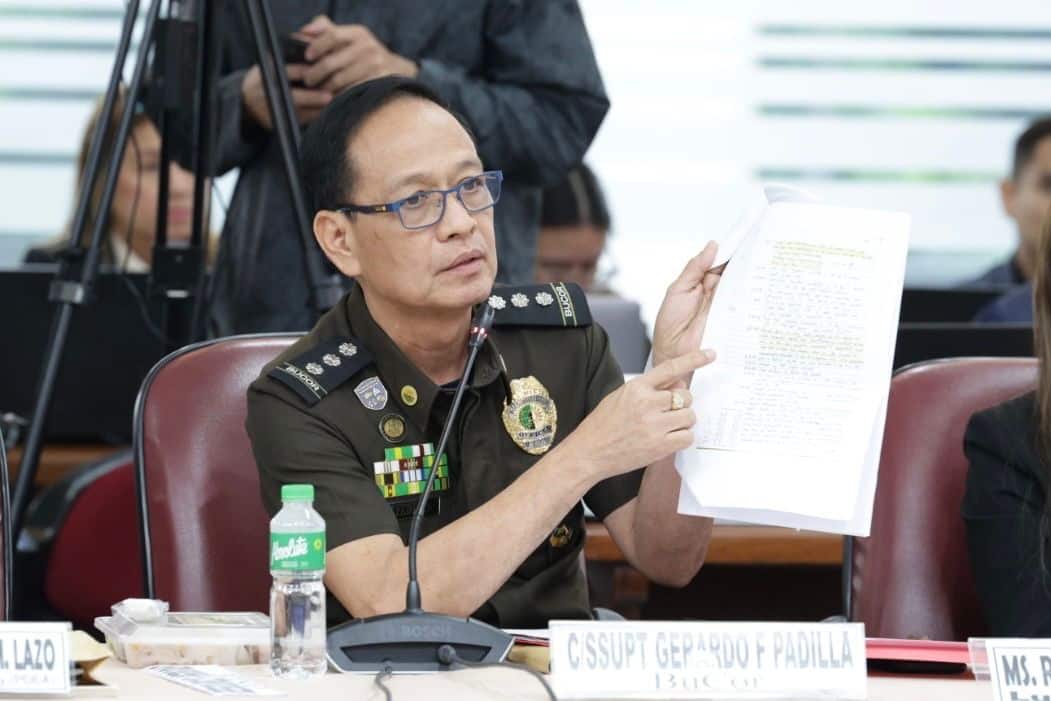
(903, 104)
(898, 104)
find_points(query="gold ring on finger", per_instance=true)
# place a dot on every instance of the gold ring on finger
(677, 400)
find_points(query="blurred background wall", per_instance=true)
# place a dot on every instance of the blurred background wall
(898, 104)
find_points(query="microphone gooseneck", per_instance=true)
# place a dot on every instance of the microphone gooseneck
(414, 640)
(483, 321)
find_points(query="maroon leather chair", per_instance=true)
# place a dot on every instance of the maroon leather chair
(86, 527)
(205, 532)
(912, 576)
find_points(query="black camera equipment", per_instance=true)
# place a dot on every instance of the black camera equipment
(176, 64)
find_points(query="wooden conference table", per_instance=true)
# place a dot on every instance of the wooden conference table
(478, 684)
(740, 545)
(59, 459)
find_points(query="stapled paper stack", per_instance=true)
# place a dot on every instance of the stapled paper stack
(791, 414)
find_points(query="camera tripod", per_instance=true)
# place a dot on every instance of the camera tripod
(177, 277)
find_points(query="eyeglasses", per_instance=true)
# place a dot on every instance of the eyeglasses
(426, 208)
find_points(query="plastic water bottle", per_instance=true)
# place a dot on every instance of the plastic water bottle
(297, 596)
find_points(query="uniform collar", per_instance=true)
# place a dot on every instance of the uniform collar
(399, 373)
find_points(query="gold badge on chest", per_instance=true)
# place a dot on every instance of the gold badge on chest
(530, 418)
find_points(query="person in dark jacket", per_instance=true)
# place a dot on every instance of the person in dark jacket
(522, 74)
(1006, 505)
(1014, 306)
(1026, 196)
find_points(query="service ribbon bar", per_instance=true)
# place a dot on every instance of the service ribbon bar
(406, 468)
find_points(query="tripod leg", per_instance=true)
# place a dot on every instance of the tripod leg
(183, 91)
(325, 288)
(93, 162)
(204, 152)
(283, 87)
(65, 290)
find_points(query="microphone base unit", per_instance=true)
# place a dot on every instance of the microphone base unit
(409, 642)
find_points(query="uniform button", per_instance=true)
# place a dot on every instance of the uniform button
(392, 427)
(561, 537)
(409, 397)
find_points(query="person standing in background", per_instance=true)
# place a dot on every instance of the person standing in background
(522, 74)
(574, 226)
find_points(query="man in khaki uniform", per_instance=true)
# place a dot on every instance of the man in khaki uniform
(355, 408)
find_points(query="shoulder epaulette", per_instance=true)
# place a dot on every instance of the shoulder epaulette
(319, 370)
(556, 304)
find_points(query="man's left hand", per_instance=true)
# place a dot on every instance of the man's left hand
(684, 312)
(343, 55)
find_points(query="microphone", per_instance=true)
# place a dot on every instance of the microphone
(479, 330)
(410, 641)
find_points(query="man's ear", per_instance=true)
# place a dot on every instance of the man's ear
(334, 233)
(1008, 190)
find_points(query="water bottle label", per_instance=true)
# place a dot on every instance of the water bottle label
(297, 551)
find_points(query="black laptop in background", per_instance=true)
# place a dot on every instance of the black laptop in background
(918, 342)
(622, 320)
(113, 342)
(926, 304)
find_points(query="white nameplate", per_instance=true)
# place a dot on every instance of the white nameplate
(34, 658)
(656, 659)
(1019, 668)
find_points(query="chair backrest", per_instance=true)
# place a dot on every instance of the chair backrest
(912, 576)
(87, 523)
(205, 531)
(6, 536)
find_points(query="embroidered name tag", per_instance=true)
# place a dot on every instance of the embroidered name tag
(405, 469)
(407, 507)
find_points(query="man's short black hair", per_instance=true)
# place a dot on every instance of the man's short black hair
(327, 174)
(576, 201)
(1025, 145)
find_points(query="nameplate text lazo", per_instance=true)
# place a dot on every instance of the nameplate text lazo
(34, 658)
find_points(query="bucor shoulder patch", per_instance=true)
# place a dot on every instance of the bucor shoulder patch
(555, 304)
(319, 370)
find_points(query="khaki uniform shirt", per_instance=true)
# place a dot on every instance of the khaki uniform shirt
(345, 410)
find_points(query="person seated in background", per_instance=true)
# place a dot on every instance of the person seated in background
(1026, 196)
(1006, 504)
(1012, 307)
(574, 226)
(404, 206)
(133, 212)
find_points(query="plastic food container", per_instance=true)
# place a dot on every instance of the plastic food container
(141, 610)
(188, 638)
